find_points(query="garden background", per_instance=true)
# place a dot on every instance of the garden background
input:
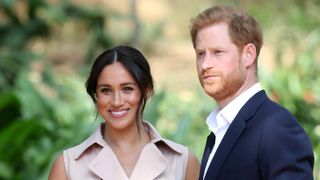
(47, 48)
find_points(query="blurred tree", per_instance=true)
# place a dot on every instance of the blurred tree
(14, 37)
(134, 40)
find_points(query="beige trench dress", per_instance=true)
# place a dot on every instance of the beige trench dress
(161, 159)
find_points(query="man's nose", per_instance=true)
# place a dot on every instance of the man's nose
(207, 61)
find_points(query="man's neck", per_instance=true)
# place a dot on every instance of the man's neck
(222, 103)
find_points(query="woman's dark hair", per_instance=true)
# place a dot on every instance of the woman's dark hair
(136, 64)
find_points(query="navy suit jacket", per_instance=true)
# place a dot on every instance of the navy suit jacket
(263, 142)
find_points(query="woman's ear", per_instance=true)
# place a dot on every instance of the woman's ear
(249, 52)
(149, 92)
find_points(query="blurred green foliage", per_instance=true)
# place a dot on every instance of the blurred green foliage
(39, 110)
(42, 112)
(17, 32)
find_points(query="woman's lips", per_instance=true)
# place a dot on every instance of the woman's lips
(118, 113)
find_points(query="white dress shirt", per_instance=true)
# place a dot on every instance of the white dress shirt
(219, 120)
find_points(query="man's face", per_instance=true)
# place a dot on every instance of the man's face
(221, 67)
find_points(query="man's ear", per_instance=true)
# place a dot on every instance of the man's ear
(249, 52)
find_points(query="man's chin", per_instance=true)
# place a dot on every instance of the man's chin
(211, 92)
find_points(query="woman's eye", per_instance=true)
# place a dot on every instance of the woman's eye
(105, 90)
(128, 89)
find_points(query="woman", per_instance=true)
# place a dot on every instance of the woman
(124, 147)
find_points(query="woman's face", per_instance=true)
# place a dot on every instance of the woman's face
(118, 97)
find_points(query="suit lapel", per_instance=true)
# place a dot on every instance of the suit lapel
(226, 145)
(233, 133)
(206, 153)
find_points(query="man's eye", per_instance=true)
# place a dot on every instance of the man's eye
(201, 53)
(218, 52)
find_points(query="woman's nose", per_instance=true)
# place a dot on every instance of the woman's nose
(117, 99)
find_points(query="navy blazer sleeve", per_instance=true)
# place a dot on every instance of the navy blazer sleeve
(285, 151)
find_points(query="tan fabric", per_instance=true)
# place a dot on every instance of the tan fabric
(161, 159)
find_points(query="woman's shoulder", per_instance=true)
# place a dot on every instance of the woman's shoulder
(180, 148)
(93, 141)
(162, 142)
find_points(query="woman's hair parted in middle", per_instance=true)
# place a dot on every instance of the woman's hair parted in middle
(136, 64)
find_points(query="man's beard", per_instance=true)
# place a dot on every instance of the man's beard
(226, 86)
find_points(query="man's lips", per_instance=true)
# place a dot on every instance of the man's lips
(209, 77)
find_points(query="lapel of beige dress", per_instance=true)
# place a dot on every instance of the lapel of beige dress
(106, 165)
(150, 164)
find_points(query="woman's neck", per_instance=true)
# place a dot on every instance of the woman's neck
(127, 138)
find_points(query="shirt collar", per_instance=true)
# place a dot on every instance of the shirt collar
(97, 138)
(219, 118)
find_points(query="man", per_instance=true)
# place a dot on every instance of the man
(252, 137)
